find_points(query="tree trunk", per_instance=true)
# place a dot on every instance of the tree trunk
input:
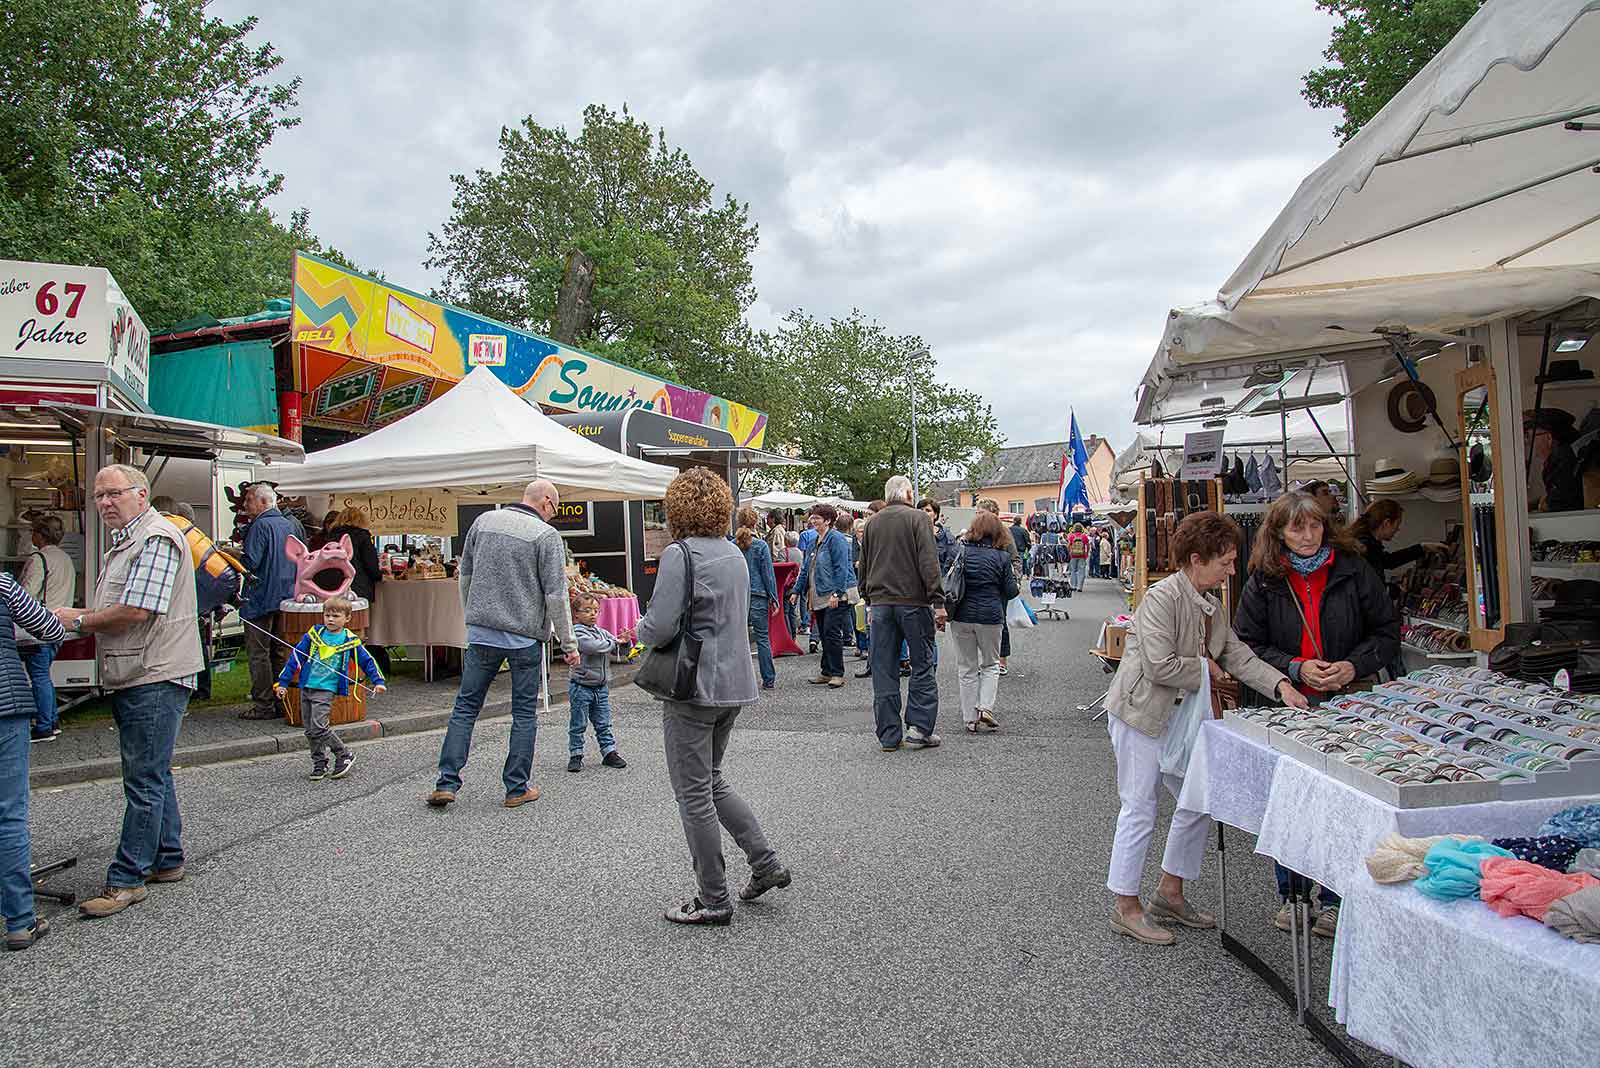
(574, 312)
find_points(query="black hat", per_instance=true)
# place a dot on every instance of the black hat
(1564, 371)
(1561, 424)
(1409, 405)
(1479, 467)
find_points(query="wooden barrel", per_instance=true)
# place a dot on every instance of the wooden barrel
(295, 620)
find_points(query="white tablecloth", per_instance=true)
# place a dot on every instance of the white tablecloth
(1451, 984)
(1243, 769)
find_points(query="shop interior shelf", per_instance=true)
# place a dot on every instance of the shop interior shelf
(1437, 656)
(1565, 570)
(1414, 620)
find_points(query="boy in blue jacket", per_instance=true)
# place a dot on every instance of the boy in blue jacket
(321, 666)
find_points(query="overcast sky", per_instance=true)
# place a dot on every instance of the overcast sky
(1028, 186)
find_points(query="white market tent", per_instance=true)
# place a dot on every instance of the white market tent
(1471, 196)
(783, 499)
(479, 437)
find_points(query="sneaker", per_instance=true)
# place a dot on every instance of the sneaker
(342, 762)
(39, 735)
(168, 875)
(693, 912)
(1282, 920)
(778, 879)
(1004, 670)
(917, 740)
(613, 759)
(318, 772)
(440, 798)
(575, 762)
(518, 800)
(773, 685)
(17, 940)
(821, 680)
(112, 900)
(1327, 924)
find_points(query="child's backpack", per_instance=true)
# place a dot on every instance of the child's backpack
(217, 576)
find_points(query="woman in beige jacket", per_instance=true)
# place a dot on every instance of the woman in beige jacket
(1179, 634)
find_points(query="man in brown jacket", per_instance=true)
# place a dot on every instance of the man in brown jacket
(901, 584)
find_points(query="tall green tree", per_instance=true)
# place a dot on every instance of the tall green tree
(1379, 46)
(666, 265)
(840, 395)
(131, 137)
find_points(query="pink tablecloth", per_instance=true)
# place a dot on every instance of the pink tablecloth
(619, 615)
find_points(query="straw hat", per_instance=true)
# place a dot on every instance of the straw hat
(1391, 479)
(1445, 471)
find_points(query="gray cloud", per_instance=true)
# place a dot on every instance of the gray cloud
(1029, 187)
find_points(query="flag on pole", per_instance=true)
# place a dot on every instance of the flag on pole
(1074, 488)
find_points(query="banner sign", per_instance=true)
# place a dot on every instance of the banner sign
(404, 513)
(1202, 454)
(574, 519)
(50, 311)
(339, 316)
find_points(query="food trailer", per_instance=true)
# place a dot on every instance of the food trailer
(73, 398)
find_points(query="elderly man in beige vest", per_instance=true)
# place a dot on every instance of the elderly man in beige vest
(148, 646)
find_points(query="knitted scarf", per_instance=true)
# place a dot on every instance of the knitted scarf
(1305, 565)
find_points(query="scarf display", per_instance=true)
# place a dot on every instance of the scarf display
(1455, 868)
(1554, 852)
(1516, 888)
(1581, 824)
(1305, 565)
(1587, 860)
(1576, 916)
(1399, 859)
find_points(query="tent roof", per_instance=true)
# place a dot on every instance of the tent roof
(479, 437)
(1466, 199)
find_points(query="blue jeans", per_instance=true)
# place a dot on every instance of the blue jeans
(589, 704)
(905, 652)
(37, 660)
(1077, 568)
(16, 885)
(1325, 897)
(761, 626)
(148, 718)
(892, 624)
(479, 665)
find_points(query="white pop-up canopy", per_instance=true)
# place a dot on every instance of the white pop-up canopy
(479, 437)
(1470, 197)
(783, 499)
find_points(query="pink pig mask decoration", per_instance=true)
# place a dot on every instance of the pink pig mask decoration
(334, 556)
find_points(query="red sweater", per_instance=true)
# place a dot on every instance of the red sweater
(1308, 590)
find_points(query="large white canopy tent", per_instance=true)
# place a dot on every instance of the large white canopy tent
(480, 438)
(1470, 197)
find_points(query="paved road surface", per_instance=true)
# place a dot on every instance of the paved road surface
(948, 907)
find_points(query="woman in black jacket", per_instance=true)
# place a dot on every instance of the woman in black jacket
(1317, 612)
(1377, 526)
(977, 620)
(364, 558)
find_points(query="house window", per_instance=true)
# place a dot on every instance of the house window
(1014, 507)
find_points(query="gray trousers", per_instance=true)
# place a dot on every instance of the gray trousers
(696, 739)
(977, 666)
(316, 706)
(267, 658)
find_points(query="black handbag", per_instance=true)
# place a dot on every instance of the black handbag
(669, 671)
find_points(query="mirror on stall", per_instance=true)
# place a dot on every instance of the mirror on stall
(1480, 467)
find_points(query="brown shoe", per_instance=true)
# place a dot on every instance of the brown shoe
(1140, 929)
(836, 682)
(821, 680)
(440, 798)
(518, 800)
(112, 900)
(167, 875)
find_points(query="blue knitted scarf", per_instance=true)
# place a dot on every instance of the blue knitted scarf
(1305, 565)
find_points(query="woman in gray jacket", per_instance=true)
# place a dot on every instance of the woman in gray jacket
(1179, 635)
(696, 732)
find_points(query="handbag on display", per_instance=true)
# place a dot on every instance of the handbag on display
(669, 671)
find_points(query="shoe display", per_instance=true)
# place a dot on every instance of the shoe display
(613, 759)
(575, 762)
(112, 900)
(693, 912)
(777, 879)
(19, 940)
(341, 764)
(518, 800)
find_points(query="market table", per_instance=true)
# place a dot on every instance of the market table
(619, 616)
(783, 643)
(413, 612)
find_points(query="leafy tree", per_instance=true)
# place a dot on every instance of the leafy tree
(839, 393)
(671, 265)
(131, 137)
(1378, 47)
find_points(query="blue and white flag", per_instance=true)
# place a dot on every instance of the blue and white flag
(1074, 489)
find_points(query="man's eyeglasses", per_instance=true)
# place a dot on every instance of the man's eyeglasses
(107, 495)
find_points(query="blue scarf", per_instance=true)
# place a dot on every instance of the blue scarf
(1305, 565)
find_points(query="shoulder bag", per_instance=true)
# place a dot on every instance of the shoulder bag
(955, 578)
(669, 671)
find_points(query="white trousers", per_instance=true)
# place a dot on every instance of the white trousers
(1139, 781)
(977, 666)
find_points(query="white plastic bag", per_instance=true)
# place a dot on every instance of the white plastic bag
(1017, 613)
(1178, 742)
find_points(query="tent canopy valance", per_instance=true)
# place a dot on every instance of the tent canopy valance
(480, 438)
(1470, 197)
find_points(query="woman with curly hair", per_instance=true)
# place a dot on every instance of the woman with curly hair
(1317, 611)
(696, 732)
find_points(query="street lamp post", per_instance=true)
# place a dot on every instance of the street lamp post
(916, 482)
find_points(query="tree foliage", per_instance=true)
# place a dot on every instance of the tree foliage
(131, 137)
(1378, 47)
(839, 393)
(672, 264)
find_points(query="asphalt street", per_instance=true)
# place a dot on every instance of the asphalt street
(948, 906)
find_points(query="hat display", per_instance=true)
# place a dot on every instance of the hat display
(1409, 405)
(1564, 371)
(1391, 479)
(1480, 467)
(1445, 471)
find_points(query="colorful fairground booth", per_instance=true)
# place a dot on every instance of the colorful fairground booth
(1433, 290)
(73, 398)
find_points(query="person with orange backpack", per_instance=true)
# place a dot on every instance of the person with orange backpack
(1077, 555)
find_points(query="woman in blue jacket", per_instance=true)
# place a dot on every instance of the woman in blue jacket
(763, 590)
(825, 579)
(976, 621)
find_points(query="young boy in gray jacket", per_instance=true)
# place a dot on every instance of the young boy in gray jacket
(588, 692)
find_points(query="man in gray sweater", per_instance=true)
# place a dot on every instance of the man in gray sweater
(514, 592)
